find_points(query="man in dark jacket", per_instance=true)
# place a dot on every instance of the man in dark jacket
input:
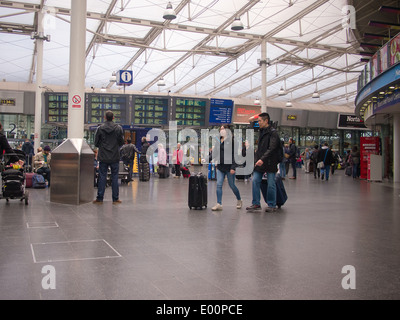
(292, 156)
(128, 156)
(325, 156)
(109, 138)
(27, 147)
(267, 159)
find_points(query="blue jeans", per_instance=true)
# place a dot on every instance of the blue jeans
(355, 170)
(282, 169)
(271, 192)
(231, 180)
(325, 171)
(103, 167)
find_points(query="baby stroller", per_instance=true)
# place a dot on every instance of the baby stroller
(13, 177)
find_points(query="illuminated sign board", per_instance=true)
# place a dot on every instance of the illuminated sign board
(292, 117)
(7, 102)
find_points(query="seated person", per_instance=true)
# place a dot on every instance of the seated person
(41, 163)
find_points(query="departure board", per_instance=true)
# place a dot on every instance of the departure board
(150, 110)
(190, 112)
(56, 107)
(100, 103)
(221, 111)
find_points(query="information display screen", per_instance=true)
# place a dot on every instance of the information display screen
(190, 112)
(56, 107)
(150, 110)
(100, 103)
(221, 111)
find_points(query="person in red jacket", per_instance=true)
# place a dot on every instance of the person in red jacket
(177, 159)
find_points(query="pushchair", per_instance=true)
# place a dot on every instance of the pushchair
(13, 177)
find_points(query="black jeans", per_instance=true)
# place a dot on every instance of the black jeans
(45, 172)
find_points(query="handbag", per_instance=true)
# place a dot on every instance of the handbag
(287, 155)
(321, 165)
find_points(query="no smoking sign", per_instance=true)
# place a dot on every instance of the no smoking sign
(76, 100)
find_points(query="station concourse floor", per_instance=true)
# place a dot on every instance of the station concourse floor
(153, 247)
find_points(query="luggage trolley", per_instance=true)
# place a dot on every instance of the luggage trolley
(13, 177)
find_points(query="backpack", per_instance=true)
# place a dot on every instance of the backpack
(38, 181)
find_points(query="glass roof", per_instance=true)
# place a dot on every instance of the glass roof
(197, 53)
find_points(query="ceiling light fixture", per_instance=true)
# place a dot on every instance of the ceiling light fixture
(281, 92)
(161, 82)
(257, 102)
(237, 25)
(169, 13)
(113, 77)
(289, 104)
(103, 89)
(316, 93)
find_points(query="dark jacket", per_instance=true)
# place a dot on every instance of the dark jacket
(292, 152)
(5, 148)
(27, 147)
(224, 165)
(329, 157)
(267, 151)
(145, 146)
(355, 157)
(109, 137)
(127, 152)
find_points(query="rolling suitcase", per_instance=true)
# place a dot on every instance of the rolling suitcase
(28, 179)
(197, 191)
(144, 172)
(348, 171)
(281, 195)
(185, 172)
(163, 172)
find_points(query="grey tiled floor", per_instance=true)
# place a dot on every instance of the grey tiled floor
(153, 247)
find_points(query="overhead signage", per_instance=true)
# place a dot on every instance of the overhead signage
(221, 111)
(244, 113)
(348, 121)
(7, 102)
(76, 101)
(292, 117)
(124, 77)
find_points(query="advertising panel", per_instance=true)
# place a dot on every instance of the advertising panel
(395, 50)
(243, 113)
(368, 145)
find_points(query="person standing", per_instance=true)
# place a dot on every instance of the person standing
(267, 159)
(177, 159)
(5, 146)
(108, 139)
(127, 153)
(225, 167)
(314, 159)
(325, 156)
(29, 150)
(306, 158)
(355, 160)
(292, 156)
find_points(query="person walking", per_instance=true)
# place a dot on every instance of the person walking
(267, 159)
(127, 153)
(225, 167)
(292, 156)
(314, 159)
(306, 158)
(108, 139)
(325, 156)
(355, 160)
(177, 159)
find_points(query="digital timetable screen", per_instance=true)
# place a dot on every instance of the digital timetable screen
(150, 110)
(221, 111)
(190, 112)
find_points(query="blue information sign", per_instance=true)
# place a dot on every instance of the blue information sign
(221, 111)
(124, 78)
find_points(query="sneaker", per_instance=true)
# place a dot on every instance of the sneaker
(270, 209)
(254, 207)
(97, 201)
(217, 207)
(239, 204)
(117, 201)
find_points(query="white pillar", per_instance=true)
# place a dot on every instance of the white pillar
(396, 147)
(39, 75)
(264, 76)
(77, 56)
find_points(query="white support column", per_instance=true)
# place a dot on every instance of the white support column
(77, 56)
(396, 147)
(264, 76)
(39, 76)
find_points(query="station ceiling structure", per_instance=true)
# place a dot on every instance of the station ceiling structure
(212, 48)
